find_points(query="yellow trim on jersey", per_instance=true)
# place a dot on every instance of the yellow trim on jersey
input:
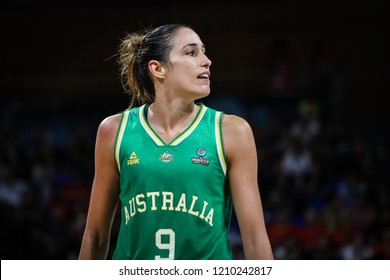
(119, 137)
(191, 128)
(218, 136)
(181, 137)
(147, 128)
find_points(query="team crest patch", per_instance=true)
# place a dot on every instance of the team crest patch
(200, 159)
(166, 157)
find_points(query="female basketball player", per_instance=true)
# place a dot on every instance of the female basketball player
(176, 166)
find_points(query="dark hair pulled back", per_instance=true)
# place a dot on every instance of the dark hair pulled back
(135, 52)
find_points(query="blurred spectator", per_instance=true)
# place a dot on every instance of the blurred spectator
(307, 126)
(12, 190)
(356, 250)
(296, 161)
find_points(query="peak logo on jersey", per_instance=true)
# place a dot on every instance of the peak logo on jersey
(200, 160)
(133, 159)
(166, 157)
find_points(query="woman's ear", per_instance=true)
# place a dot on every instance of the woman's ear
(156, 69)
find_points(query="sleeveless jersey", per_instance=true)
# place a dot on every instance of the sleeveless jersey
(175, 199)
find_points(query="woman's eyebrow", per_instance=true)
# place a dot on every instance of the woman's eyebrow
(203, 47)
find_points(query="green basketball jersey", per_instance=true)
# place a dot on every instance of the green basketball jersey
(175, 200)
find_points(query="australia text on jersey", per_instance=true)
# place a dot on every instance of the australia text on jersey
(148, 202)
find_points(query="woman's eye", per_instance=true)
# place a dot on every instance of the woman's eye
(191, 53)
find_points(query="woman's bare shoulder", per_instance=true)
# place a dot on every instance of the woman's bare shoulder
(108, 126)
(237, 135)
(233, 124)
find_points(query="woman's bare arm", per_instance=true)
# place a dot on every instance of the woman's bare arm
(242, 175)
(104, 195)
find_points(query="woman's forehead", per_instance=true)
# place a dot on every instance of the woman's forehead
(185, 37)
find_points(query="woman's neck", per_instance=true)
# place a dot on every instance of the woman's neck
(169, 119)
